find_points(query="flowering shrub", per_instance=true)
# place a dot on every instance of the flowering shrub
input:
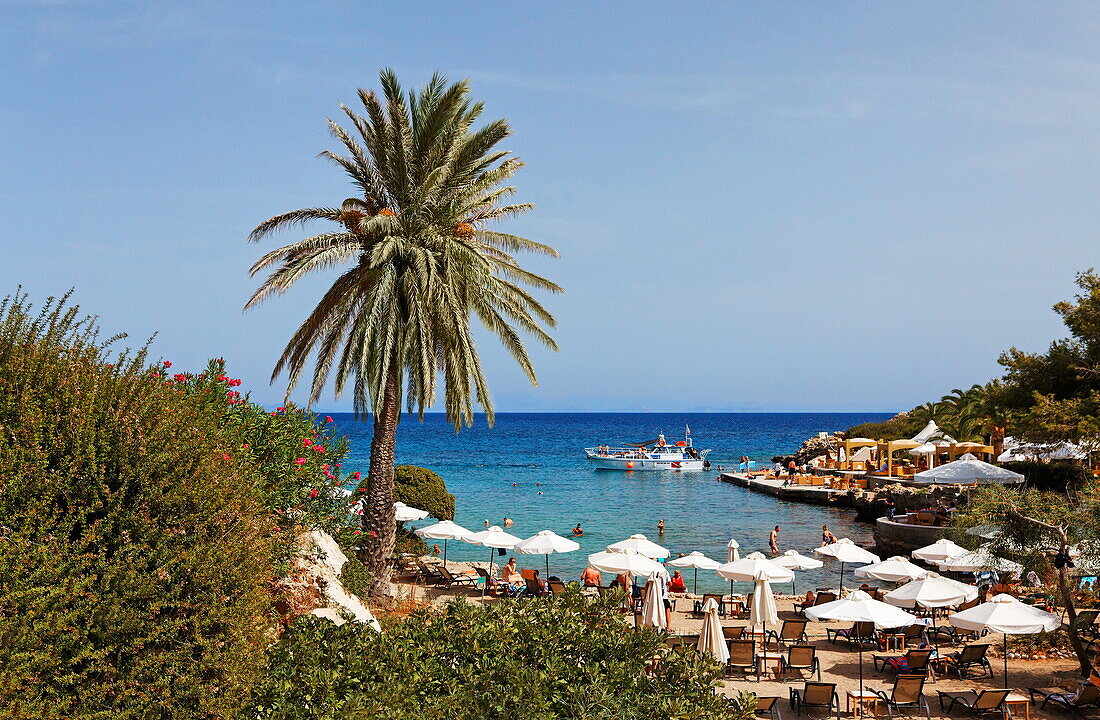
(565, 657)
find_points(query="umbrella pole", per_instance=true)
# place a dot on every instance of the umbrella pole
(485, 584)
(840, 590)
(860, 645)
(695, 588)
(1004, 656)
(444, 552)
(547, 567)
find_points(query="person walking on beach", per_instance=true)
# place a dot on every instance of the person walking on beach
(773, 540)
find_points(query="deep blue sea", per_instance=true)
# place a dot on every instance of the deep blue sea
(499, 472)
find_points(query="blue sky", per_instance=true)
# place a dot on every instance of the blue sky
(759, 206)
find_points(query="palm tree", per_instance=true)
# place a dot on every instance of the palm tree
(418, 259)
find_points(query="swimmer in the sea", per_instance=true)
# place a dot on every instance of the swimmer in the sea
(577, 530)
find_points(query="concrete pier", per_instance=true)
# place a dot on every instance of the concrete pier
(812, 495)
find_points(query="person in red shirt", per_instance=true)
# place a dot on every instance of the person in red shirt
(676, 584)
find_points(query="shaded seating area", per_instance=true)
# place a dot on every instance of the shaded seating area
(987, 703)
(971, 658)
(792, 632)
(860, 634)
(907, 694)
(815, 695)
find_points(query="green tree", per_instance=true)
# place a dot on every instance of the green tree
(421, 488)
(419, 259)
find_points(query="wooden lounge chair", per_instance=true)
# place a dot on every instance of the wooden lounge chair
(987, 703)
(733, 633)
(461, 580)
(768, 706)
(820, 599)
(431, 572)
(907, 694)
(688, 642)
(800, 659)
(534, 587)
(557, 587)
(791, 633)
(861, 633)
(915, 633)
(815, 695)
(1087, 697)
(913, 662)
(743, 657)
(971, 657)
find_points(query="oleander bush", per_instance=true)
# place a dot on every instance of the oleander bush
(565, 657)
(145, 514)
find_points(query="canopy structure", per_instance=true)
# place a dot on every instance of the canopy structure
(895, 569)
(696, 560)
(546, 542)
(711, 638)
(754, 567)
(977, 561)
(1007, 615)
(848, 553)
(931, 591)
(731, 551)
(624, 561)
(762, 609)
(640, 544)
(858, 606)
(444, 530)
(942, 549)
(404, 513)
(793, 560)
(968, 472)
(493, 537)
(653, 606)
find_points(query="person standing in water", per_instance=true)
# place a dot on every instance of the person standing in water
(661, 528)
(577, 532)
(773, 540)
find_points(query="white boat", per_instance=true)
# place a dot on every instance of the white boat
(653, 455)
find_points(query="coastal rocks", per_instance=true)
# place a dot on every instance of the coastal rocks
(314, 587)
(818, 445)
(873, 504)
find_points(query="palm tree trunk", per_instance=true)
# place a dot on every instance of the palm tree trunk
(379, 523)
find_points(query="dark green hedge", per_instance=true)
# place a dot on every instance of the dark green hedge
(1055, 476)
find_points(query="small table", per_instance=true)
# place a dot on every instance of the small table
(1016, 703)
(865, 701)
(766, 658)
(892, 641)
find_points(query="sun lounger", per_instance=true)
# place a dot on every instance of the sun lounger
(1087, 697)
(800, 658)
(815, 695)
(743, 657)
(907, 694)
(987, 703)
(767, 706)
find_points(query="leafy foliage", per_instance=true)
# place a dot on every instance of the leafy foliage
(421, 488)
(565, 657)
(137, 546)
(1054, 476)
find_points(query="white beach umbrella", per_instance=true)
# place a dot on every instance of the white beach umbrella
(1007, 615)
(640, 544)
(762, 609)
(444, 530)
(858, 606)
(546, 542)
(753, 567)
(405, 513)
(711, 638)
(848, 553)
(732, 556)
(967, 472)
(493, 538)
(939, 551)
(986, 532)
(696, 560)
(895, 569)
(653, 607)
(931, 591)
(620, 561)
(977, 561)
(794, 560)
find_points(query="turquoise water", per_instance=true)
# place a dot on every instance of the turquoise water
(499, 472)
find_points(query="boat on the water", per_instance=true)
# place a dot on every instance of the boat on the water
(656, 454)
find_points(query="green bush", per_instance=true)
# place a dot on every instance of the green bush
(421, 488)
(562, 658)
(900, 426)
(137, 548)
(1054, 476)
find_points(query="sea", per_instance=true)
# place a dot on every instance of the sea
(530, 468)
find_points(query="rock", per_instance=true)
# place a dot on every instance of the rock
(314, 586)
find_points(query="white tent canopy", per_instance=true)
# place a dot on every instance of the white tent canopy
(938, 551)
(653, 607)
(762, 610)
(711, 638)
(731, 551)
(977, 561)
(444, 530)
(1007, 615)
(620, 561)
(847, 551)
(968, 472)
(694, 560)
(931, 591)
(640, 544)
(545, 542)
(794, 560)
(895, 569)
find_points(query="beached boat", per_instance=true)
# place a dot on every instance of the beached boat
(653, 455)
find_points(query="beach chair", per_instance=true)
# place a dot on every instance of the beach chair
(1087, 697)
(460, 580)
(716, 597)
(915, 633)
(743, 658)
(987, 703)
(907, 694)
(860, 634)
(913, 662)
(673, 642)
(815, 695)
(733, 633)
(431, 573)
(791, 633)
(820, 599)
(688, 642)
(800, 658)
(556, 587)
(767, 706)
(534, 587)
(969, 658)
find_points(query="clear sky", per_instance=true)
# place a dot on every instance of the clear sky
(759, 206)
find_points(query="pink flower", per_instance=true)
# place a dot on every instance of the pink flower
(245, 446)
(307, 442)
(300, 461)
(167, 364)
(328, 418)
(373, 534)
(278, 409)
(314, 493)
(319, 448)
(356, 475)
(179, 377)
(225, 456)
(156, 374)
(356, 532)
